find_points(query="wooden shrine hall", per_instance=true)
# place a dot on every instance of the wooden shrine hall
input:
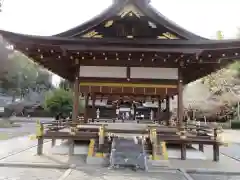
(129, 50)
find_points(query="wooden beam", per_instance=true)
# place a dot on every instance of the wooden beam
(130, 81)
(167, 109)
(76, 95)
(159, 110)
(129, 91)
(103, 84)
(180, 98)
(86, 111)
(93, 107)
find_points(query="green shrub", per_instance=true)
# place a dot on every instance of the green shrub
(61, 101)
(235, 124)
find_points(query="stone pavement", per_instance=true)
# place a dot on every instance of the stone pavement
(84, 173)
(105, 174)
(36, 163)
(233, 150)
(231, 136)
(7, 173)
(16, 145)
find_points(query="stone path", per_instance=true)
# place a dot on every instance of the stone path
(232, 136)
(214, 176)
(7, 173)
(16, 145)
(19, 143)
(85, 174)
(105, 174)
(233, 151)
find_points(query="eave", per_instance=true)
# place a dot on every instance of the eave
(204, 56)
(16, 38)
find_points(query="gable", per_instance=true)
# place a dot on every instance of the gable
(131, 23)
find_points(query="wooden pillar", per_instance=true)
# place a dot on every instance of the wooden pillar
(134, 113)
(40, 131)
(117, 110)
(159, 110)
(215, 147)
(180, 98)
(40, 146)
(53, 142)
(86, 108)
(167, 109)
(71, 147)
(183, 151)
(76, 95)
(201, 147)
(93, 107)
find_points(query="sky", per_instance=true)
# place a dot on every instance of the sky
(48, 17)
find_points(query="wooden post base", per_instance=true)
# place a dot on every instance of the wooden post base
(201, 147)
(216, 152)
(40, 146)
(183, 151)
(53, 142)
(71, 147)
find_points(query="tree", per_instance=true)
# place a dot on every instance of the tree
(219, 82)
(5, 64)
(43, 80)
(61, 101)
(21, 75)
(224, 84)
(65, 84)
(1, 5)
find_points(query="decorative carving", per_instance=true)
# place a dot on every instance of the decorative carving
(108, 23)
(170, 35)
(98, 36)
(92, 34)
(162, 37)
(129, 37)
(152, 25)
(167, 35)
(130, 10)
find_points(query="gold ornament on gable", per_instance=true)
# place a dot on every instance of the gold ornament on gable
(108, 23)
(92, 34)
(167, 35)
(130, 10)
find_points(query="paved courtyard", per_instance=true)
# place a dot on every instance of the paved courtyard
(7, 173)
(26, 126)
(18, 161)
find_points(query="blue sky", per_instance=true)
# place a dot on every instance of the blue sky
(47, 17)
